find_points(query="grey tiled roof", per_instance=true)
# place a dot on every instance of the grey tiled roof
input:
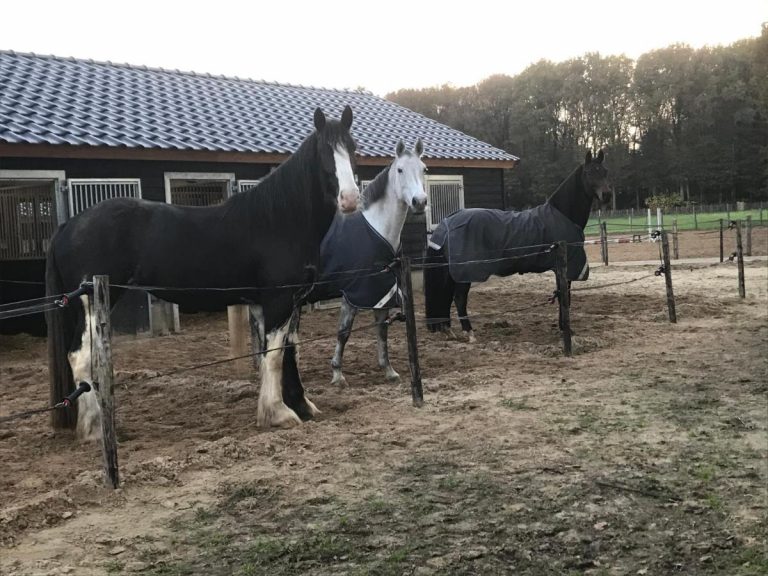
(51, 100)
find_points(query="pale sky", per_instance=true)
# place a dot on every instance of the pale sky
(380, 46)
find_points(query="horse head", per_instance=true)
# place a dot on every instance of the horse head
(407, 175)
(336, 149)
(595, 178)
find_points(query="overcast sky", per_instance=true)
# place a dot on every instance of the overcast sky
(380, 46)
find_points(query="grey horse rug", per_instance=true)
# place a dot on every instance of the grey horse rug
(354, 261)
(480, 242)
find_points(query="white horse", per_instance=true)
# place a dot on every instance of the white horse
(386, 201)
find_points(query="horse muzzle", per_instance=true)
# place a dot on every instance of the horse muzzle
(418, 205)
(349, 200)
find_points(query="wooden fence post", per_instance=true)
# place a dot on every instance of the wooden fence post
(563, 295)
(239, 326)
(675, 243)
(668, 277)
(749, 235)
(410, 329)
(721, 239)
(604, 242)
(104, 375)
(695, 219)
(740, 261)
(631, 214)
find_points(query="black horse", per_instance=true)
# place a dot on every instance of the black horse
(245, 248)
(471, 245)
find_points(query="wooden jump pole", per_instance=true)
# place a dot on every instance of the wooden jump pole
(237, 321)
(563, 295)
(668, 277)
(104, 375)
(417, 393)
(740, 261)
(721, 239)
(604, 242)
(675, 243)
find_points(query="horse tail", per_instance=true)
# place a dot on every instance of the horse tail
(438, 290)
(61, 331)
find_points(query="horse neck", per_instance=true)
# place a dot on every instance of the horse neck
(387, 213)
(571, 198)
(292, 198)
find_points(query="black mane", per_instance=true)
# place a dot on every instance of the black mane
(377, 188)
(571, 198)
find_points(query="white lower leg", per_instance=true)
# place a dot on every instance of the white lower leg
(89, 404)
(272, 411)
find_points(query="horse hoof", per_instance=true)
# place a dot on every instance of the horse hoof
(278, 415)
(471, 338)
(307, 410)
(339, 380)
(392, 376)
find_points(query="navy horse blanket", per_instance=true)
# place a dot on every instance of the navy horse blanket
(358, 263)
(479, 243)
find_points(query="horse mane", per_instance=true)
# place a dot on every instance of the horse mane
(376, 189)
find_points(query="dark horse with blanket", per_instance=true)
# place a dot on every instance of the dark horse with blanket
(473, 244)
(259, 248)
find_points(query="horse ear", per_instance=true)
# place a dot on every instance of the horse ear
(319, 119)
(346, 117)
(419, 149)
(588, 159)
(400, 148)
(600, 156)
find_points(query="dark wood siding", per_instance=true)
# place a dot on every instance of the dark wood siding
(151, 173)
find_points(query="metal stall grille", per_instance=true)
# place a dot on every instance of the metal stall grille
(446, 195)
(198, 192)
(27, 218)
(84, 193)
(245, 185)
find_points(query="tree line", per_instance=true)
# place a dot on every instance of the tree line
(686, 123)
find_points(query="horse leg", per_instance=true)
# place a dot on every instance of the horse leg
(346, 319)
(272, 411)
(293, 390)
(256, 320)
(81, 361)
(381, 315)
(460, 298)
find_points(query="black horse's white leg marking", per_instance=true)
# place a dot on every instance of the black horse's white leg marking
(346, 320)
(272, 411)
(382, 327)
(81, 361)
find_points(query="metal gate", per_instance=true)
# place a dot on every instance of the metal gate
(85, 192)
(27, 218)
(446, 195)
(245, 185)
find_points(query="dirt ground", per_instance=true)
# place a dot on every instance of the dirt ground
(644, 453)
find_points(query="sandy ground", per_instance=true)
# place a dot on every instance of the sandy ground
(644, 453)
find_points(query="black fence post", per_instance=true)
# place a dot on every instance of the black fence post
(563, 295)
(604, 242)
(740, 261)
(410, 328)
(668, 277)
(721, 239)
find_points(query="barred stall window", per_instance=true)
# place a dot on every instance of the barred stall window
(446, 195)
(85, 192)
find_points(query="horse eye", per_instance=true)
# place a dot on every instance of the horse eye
(399, 170)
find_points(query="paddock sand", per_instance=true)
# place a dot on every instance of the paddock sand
(644, 453)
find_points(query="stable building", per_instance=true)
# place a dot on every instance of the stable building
(76, 132)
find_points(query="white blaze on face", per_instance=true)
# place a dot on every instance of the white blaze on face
(349, 193)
